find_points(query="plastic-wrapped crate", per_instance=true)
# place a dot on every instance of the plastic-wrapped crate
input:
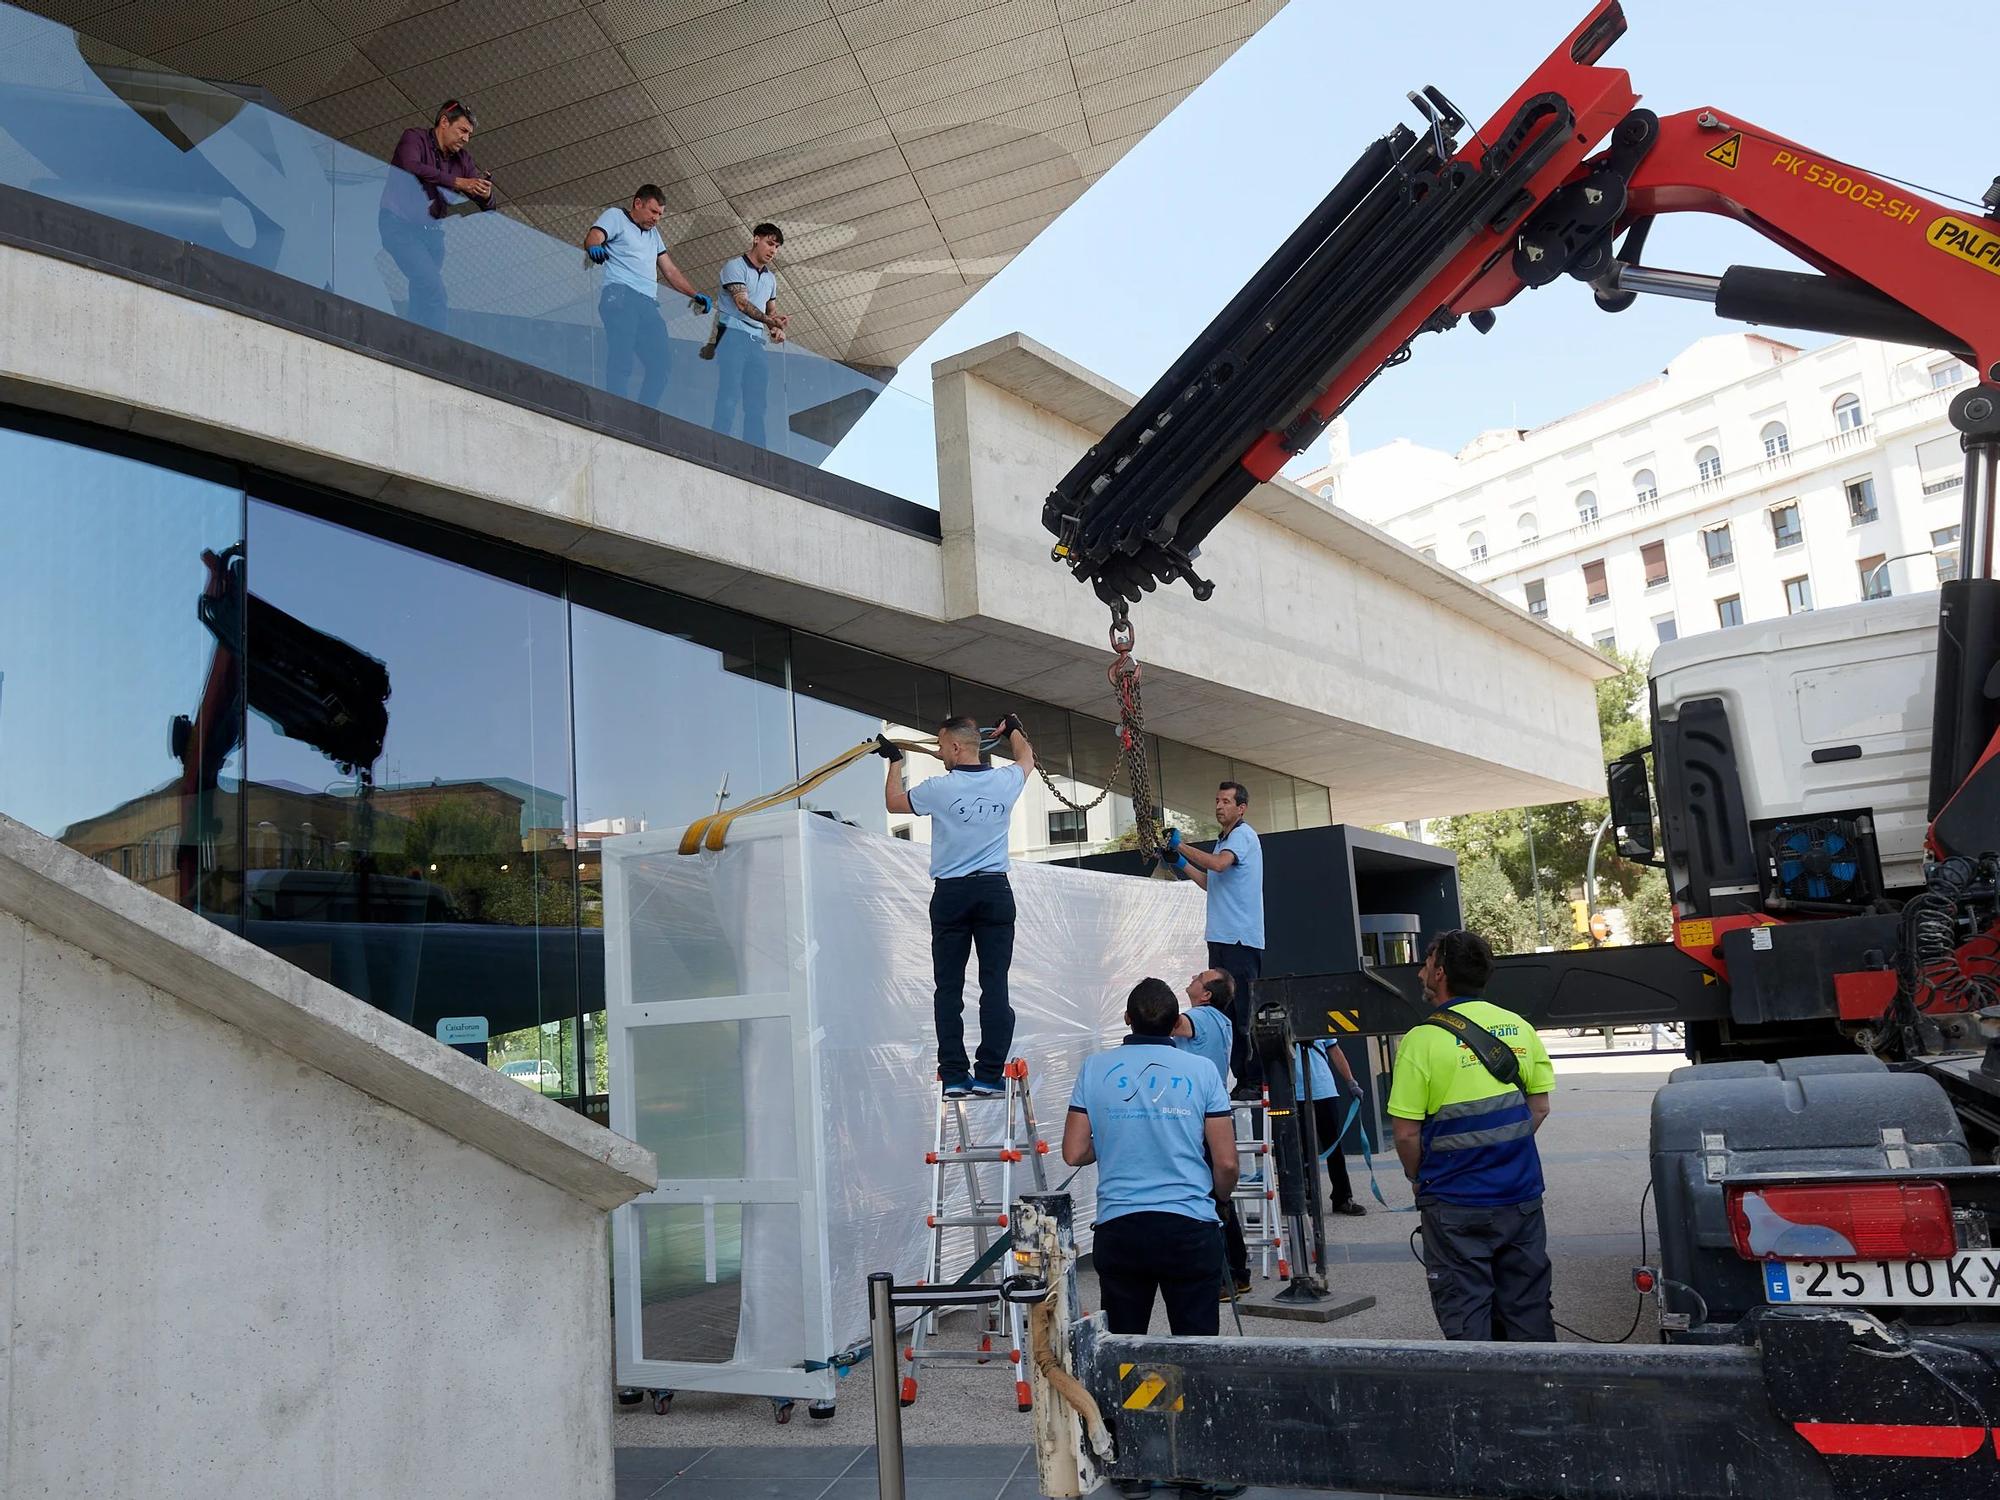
(771, 1041)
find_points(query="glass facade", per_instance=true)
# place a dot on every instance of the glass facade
(90, 126)
(392, 752)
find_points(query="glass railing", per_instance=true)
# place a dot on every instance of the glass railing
(86, 124)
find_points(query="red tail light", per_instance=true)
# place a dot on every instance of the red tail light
(1842, 1221)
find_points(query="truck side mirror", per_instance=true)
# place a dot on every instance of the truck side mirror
(1631, 806)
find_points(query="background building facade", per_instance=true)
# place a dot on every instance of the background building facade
(1751, 479)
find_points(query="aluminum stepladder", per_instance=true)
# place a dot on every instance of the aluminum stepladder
(1256, 1195)
(973, 1188)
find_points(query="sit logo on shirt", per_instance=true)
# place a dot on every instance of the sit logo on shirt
(1153, 1091)
(971, 810)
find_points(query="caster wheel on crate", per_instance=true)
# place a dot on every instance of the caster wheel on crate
(663, 1402)
(781, 1412)
(820, 1411)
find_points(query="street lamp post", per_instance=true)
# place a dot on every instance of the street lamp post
(1535, 875)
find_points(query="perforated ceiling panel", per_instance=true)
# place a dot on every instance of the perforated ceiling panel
(908, 147)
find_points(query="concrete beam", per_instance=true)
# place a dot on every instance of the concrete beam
(186, 956)
(1330, 650)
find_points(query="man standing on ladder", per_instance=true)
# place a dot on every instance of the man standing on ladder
(972, 905)
(1233, 875)
(1206, 1032)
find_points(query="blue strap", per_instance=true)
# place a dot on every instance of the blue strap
(1355, 1121)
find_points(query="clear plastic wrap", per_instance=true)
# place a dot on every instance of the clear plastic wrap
(807, 942)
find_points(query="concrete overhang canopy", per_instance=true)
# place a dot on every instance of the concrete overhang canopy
(908, 147)
(1330, 650)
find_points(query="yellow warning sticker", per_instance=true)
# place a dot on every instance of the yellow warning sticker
(1149, 1387)
(1345, 1020)
(1697, 934)
(1956, 237)
(1728, 151)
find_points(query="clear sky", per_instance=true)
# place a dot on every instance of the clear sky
(1126, 277)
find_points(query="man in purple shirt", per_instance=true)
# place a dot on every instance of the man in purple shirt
(433, 162)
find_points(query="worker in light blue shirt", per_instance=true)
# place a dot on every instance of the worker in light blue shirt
(971, 808)
(1205, 1030)
(1233, 875)
(747, 327)
(1157, 1123)
(627, 244)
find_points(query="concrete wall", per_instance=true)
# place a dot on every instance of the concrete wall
(1328, 650)
(266, 1241)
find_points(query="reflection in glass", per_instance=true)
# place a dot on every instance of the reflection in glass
(121, 697)
(680, 708)
(843, 695)
(431, 872)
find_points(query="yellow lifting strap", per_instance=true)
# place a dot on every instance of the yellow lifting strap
(709, 832)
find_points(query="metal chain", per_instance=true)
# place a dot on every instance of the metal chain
(1056, 792)
(1124, 675)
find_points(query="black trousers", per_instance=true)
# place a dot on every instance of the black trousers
(634, 331)
(1327, 1115)
(1235, 1253)
(1242, 965)
(972, 911)
(1488, 1270)
(1178, 1257)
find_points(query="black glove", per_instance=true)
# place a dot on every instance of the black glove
(887, 748)
(1011, 725)
(599, 253)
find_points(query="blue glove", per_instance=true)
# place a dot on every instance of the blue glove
(700, 304)
(1174, 843)
(599, 253)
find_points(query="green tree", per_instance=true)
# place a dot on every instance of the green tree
(1493, 909)
(1649, 910)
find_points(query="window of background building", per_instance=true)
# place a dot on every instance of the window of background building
(1430, 554)
(445, 884)
(1716, 544)
(101, 646)
(1645, 487)
(1708, 465)
(1786, 530)
(1528, 529)
(1941, 465)
(1874, 576)
(1538, 598)
(1847, 414)
(1475, 546)
(1326, 492)
(1944, 545)
(1595, 589)
(1729, 611)
(1654, 556)
(1586, 507)
(1947, 374)
(1066, 826)
(1860, 500)
(1798, 595)
(1605, 641)
(1777, 442)
(1666, 628)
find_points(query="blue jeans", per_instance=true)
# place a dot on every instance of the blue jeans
(742, 375)
(633, 330)
(973, 911)
(418, 251)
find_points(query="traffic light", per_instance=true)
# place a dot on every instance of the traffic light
(1579, 918)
